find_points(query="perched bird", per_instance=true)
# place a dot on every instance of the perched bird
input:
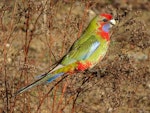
(85, 53)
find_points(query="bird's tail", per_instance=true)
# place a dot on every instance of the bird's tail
(47, 78)
(41, 80)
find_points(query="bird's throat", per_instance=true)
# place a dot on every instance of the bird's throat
(103, 31)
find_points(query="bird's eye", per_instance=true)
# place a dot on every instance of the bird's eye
(105, 20)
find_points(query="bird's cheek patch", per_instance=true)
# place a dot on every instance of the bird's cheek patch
(106, 28)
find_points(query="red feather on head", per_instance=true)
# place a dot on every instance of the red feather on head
(108, 16)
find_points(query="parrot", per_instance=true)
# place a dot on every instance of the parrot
(89, 49)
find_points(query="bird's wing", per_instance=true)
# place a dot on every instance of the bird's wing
(81, 51)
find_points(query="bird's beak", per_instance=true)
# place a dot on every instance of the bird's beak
(112, 22)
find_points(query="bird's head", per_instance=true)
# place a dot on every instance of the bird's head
(101, 24)
(104, 23)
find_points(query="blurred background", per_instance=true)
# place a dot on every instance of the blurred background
(35, 35)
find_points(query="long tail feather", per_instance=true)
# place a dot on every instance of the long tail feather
(47, 78)
(44, 79)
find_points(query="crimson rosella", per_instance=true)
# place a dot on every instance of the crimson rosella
(85, 53)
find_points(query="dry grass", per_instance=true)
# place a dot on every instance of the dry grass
(34, 35)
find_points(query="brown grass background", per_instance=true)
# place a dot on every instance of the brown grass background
(35, 34)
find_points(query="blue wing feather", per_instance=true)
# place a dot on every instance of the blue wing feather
(54, 77)
(81, 51)
(93, 47)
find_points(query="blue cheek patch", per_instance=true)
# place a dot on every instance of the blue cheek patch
(106, 28)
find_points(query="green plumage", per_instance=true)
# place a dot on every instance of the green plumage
(83, 45)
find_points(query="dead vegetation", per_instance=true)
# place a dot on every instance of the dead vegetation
(34, 35)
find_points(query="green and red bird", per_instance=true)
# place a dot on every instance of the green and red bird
(85, 53)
